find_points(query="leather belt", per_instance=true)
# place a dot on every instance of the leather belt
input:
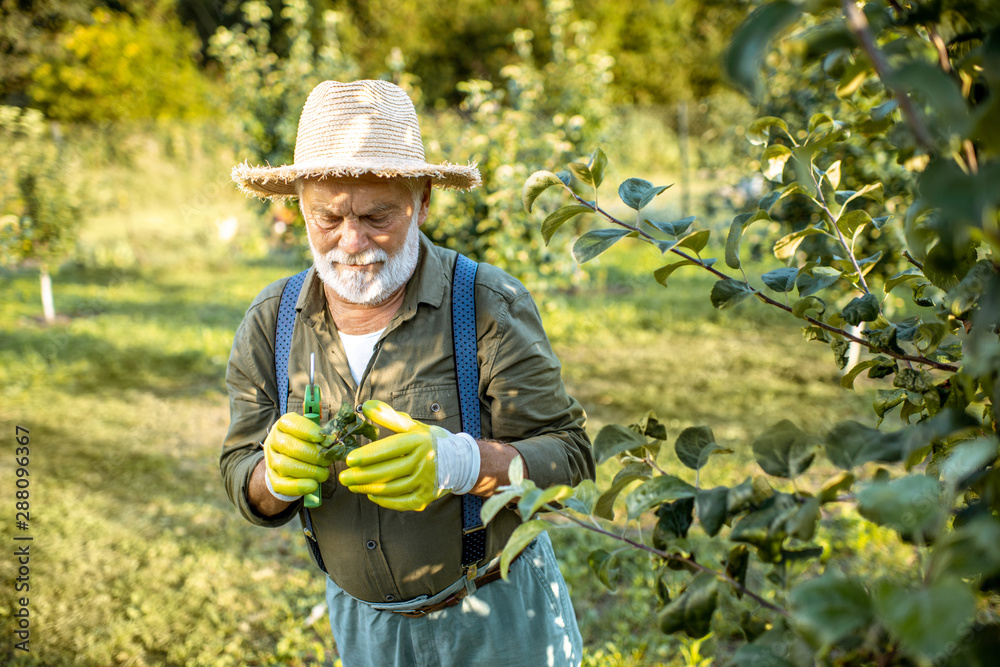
(491, 575)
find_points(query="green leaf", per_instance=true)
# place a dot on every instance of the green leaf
(519, 539)
(768, 201)
(695, 444)
(696, 241)
(733, 240)
(752, 39)
(582, 173)
(632, 190)
(593, 243)
(832, 174)
(527, 500)
(878, 364)
(781, 280)
(712, 509)
(759, 131)
(802, 524)
(637, 192)
(965, 459)
(692, 610)
(970, 550)
(773, 160)
(818, 279)
(598, 163)
(766, 527)
(613, 439)
(660, 489)
(831, 489)
(727, 292)
(861, 309)
(902, 277)
(929, 337)
(850, 444)
(803, 307)
(830, 608)
(662, 274)
(739, 225)
(495, 503)
(930, 621)
(559, 216)
(651, 427)
(853, 77)
(852, 222)
(909, 505)
(675, 228)
(553, 494)
(737, 563)
(784, 450)
(536, 184)
(871, 191)
(887, 399)
(674, 522)
(785, 247)
(603, 564)
(583, 499)
(740, 496)
(630, 473)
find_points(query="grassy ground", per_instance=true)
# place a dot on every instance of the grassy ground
(138, 558)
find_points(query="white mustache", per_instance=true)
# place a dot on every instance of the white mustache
(370, 256)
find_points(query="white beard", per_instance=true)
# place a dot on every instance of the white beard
(360, 286)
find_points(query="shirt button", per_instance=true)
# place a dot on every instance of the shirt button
(371, 544)
(435, 407)
(390, 597)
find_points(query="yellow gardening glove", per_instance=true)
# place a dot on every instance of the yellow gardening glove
(295, 463)
(414, 467)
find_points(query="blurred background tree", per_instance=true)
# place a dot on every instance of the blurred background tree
(539, 83)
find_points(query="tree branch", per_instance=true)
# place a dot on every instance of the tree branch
(858, 24)
(766, 299)
(680, 559)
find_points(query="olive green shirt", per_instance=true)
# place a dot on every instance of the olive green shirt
(381, 555)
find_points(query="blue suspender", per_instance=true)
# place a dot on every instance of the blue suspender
(283, 336)
(463, 333)
(284, 327)
(467, 371)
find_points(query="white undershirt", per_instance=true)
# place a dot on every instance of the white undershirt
(359, 350)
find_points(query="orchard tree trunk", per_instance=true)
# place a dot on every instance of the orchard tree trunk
(48, 305)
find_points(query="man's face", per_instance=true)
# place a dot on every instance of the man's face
(363, 234)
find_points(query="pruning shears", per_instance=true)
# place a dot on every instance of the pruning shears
(312, 408)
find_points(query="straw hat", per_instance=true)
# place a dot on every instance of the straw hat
(350, 129)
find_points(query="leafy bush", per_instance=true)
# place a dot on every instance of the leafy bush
(754, 574)
(121, 68)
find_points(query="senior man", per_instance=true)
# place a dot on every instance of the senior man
(412, 578)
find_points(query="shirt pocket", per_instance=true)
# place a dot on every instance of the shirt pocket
(433, 404)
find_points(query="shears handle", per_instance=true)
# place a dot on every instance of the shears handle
(312, 408)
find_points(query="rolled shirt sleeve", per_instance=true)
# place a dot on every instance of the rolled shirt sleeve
(521, 383)
(253, 405)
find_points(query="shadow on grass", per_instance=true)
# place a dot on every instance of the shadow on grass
(83, 362)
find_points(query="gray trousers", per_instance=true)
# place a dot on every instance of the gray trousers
(527, 620)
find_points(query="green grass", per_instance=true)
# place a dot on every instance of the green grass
(138, 556)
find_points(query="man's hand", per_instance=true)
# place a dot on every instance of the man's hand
(295, 463)
(411, 469)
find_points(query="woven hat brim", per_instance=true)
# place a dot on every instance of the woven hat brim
(279, 182)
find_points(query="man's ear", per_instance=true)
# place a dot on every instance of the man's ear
(425, 203)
